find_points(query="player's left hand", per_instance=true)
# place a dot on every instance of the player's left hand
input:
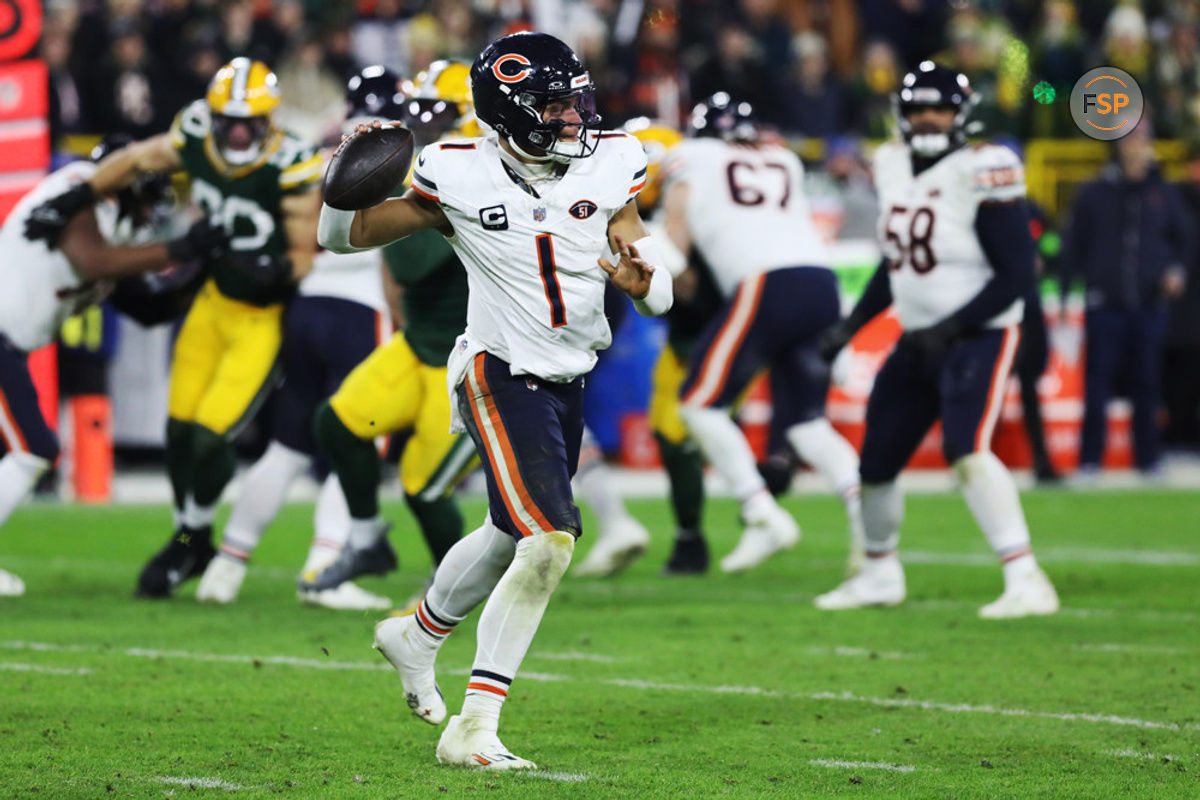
(931, 342)
(631, 274)
(49, 220)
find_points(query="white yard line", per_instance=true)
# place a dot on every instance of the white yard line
(1112, 647)
(561, 777)
(830, 762)
(15, 667)
(1065, 555)
(1136, 754)
(203, 783)
(636, 683)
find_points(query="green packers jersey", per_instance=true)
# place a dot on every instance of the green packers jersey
(247, 198)
(435, 293)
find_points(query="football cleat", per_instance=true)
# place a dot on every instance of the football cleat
(185, 556)
(880, 583)
(397, 640)
(351, 563)
(349, 596)
(11, 585)
(761, 539)
(620, 543)
(222, 580)
(464, 743)
(688, 557)
(1031, 595)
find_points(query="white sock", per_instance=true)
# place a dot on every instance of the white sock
(1017, 566)
(262, 493)
(331, 525)
(364, 532)
(196, 515)
(511, 618)
(991, 495)
(831, 455)
(18, 474)
(725, 448)
(882, 512)
(595, 485)
(470, 571)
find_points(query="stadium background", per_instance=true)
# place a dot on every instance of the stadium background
(820, 72)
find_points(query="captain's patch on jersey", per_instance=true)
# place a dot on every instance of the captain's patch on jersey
(494, 218)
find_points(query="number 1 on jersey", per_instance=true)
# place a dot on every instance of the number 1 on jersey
(545, 251)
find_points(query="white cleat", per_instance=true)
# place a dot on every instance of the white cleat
(222, 580)
(396, 640)
(880, 583)
(11, 585)
(761, 539)
(466, 744)
(619, 544)
(347, 596)
(1032, 595)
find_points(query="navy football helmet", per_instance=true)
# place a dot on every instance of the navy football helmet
(932, 85)
(723, 117)
(516, 77)
(374, 93)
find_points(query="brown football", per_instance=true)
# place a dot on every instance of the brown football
(367, 168)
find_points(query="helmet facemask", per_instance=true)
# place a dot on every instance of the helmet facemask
(240, 140)
(535, 137)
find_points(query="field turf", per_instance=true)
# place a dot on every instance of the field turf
(640, 687)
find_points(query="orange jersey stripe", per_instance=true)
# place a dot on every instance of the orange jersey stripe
(638, 186)
(491, 455)
(424, 193)
(483, 687)
(719, 359)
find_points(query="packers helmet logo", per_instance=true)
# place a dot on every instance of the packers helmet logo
(583, 209)
(511, 68)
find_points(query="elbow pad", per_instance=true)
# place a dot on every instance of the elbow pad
(659, 299)
(333, 230)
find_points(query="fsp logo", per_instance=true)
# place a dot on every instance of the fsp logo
(494, 218)
(511, 68)
(1106, 103)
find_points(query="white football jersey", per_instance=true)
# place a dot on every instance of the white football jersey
(927, 228)
(536, 291)
(357, 277)
(41, 288)
(746, 209)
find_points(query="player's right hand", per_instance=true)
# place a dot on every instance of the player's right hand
(835, 337)
(49, 220)
(205, 240)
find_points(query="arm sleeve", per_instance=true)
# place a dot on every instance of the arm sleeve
(1003, 231)
(661, 296)
(875, 297)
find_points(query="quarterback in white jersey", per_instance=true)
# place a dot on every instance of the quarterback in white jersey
(958, 256)
(739, 201)
(534, 212)
(44, 283)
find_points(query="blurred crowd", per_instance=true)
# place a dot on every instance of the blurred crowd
(813, 68)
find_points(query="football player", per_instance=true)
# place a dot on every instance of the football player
(401, 386)
(958, 256)
(261, 183)
(103, 244)
(339, 317)
(535, 212)
(739, 200)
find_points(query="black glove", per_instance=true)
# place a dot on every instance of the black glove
(263, 269)
(49, 220)
(205, 240)
(931, 342)
(835, 337)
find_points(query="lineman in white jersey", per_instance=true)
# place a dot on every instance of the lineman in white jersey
(739, 201)
(340, 317)
(534, 212)
(958, 257)
(44, 283)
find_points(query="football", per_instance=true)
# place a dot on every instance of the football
(367, 167)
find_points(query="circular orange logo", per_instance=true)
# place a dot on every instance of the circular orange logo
(1106, 103)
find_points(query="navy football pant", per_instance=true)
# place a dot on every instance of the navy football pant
(527, 432)
(23, 429)
(964, 387)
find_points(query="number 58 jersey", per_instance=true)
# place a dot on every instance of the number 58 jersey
(536, 292)
(926, 228)
(746, 209)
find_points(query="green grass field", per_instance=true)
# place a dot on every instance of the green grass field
(641, 687)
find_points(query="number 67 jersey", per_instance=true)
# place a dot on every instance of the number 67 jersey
(927, 228)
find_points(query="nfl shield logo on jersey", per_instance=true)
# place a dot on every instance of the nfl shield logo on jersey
(583, 209)
(539, 214)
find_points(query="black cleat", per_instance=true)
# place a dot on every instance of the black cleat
(689, 557)
(351, 563)
(185, 556)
